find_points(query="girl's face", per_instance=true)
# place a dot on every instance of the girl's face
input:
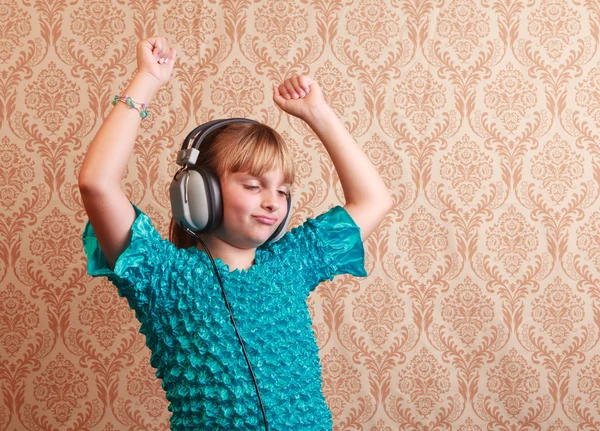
(253, 207)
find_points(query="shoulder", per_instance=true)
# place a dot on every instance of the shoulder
(146, 252)
(335, 223)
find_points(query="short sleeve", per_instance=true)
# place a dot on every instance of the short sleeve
(139, 269)
(328, 245)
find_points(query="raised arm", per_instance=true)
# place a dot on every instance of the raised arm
(108, 208)
(367, 198)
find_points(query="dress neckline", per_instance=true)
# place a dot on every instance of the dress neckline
(224, 267)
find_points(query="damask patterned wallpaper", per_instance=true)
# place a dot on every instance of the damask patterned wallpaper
(480, 311)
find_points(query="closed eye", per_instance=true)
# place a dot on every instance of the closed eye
(248, 187)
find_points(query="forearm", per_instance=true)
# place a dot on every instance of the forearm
(109, 152)
(360, 180)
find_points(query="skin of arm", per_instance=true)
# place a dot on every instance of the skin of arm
(367, 198)
(109, 210)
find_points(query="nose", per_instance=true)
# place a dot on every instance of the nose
(270, 202)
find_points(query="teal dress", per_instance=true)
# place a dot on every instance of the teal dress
(178, 301)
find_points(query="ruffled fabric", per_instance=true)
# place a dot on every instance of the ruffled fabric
(178, 301)
(323, 247)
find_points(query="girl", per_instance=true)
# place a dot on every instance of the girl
(174, 290)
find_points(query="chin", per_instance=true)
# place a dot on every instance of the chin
(259, 241)
(246, 240)
(250, 242)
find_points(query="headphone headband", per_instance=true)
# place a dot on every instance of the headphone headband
(189, 156)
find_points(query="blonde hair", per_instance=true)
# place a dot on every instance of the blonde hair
(243, 147)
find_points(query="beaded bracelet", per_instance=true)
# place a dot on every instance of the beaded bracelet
(141, 107)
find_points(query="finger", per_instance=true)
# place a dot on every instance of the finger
(166, 51)
(290, 88)
(305, 82)
(284, 92)
(156, 44)
(297, 87)
(160, 48)
(152, 40)
(163, 53)
(172, 56)
(149, 44)
(277, 96)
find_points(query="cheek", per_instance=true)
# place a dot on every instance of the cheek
(284, 207)
(235, 206)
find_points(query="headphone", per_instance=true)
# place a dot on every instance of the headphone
(195, 191)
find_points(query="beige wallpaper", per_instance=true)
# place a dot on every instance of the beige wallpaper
(480, 311)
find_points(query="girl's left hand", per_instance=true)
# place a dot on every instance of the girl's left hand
(299, 96)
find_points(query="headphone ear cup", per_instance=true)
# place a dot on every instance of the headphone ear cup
(282, 228)
(204, 191)
(178, 192)
(196, 199)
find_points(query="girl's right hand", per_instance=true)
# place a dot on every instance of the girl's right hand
(155, 58)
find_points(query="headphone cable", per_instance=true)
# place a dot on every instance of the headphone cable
(239, 337)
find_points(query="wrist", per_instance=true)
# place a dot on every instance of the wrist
(142, 88)
(319, 115)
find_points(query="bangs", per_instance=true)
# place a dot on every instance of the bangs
(253, 149)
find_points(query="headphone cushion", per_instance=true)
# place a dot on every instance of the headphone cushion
(282, 228)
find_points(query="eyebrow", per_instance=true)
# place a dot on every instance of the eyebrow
(262, 180)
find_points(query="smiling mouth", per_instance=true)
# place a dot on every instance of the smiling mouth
(265, 220)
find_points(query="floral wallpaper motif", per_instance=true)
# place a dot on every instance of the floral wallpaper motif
(59, 388)
(373, 23)
(558, 311)
(553, 23)
(467, 168)
(463, 24)
(557, 166)
(281, 22)
(513, 382)
(468, 311)
(510, 96)
(379, 310)
(424, 382)
(480, 308)
(419, 95)
(16, 25)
